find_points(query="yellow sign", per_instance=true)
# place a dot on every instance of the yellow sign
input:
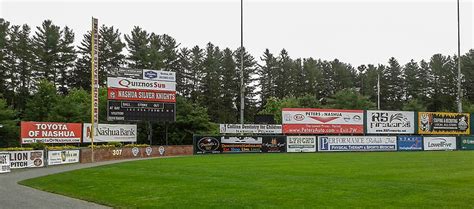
(444, 123)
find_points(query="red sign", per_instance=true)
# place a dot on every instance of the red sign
(322, 121)
(50, 132)
(141, 95)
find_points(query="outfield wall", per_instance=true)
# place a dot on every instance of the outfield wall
(218, 144)
(120, 153)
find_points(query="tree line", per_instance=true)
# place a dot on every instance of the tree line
(45, 77)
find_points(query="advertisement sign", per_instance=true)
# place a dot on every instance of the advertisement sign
(250, 128)
(467, 143)
(141, 95)
(50, 132)
(439, 143)
(63, 157)
(410, 142)
(207, 144)
(301, 144)
(390, 122)
(322, 121)
(443, 123)
(4, 163)
(110, 133)
(357, 143)
(274, 144)
(131, 83)
(159, 75)
(140, 111)
(26, 159)
(127, 73)
(241, 144)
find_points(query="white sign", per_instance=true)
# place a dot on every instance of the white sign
(390, 122)
(159, 75)
(250, 129)
(322, 116)
(241, 140)
(110, 133)
(4, 163)
(301, 144)
(26, 159)
(63, 157)
(357, 143)
(130, 83)
(322, 121)
(439, 143)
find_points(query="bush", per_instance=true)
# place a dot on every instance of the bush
(116, 144)
(137, 145)
(16, 149)
(38, 146)
(61, 147)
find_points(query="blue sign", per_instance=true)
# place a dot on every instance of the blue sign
(323, 143)
(410, 142)
(151, 74)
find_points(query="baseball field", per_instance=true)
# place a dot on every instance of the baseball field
(442, 179)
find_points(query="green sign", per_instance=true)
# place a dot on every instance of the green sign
(467, 142)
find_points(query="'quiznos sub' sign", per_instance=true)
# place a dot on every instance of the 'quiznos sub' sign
(131, 83)
(111, 133)
(443, 123)
(410, 142)
(357, 143)
(63, 157)
(50, 132)
(390, 122)
(26, 159)
(322, 121)
(250, 128)
(4, 163)
(301, 144)
(439, 143)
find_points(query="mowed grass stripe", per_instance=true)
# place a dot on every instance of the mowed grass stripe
(291, 180)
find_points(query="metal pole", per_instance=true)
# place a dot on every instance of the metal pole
(242, 87)
(459, 99)
(378, 91)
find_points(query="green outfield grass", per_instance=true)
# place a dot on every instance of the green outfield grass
(310, 180)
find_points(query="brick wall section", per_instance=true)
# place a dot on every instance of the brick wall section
(105, 154)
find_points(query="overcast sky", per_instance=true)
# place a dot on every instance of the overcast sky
(357, 32)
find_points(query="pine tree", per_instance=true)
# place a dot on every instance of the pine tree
(54, 54)
(110, 52)
(411, 81)
(138, 44)
(250, 70)
(267, 74)
(4, 63)
(21, 47)
(211, 91)
(229, 88)
(467, 67)
(392, 91)
(196, 72)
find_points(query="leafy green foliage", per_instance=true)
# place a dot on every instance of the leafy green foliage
(350, 99)
(9, 131)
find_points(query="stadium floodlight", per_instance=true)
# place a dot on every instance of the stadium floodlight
(459, 96)
(242, 87)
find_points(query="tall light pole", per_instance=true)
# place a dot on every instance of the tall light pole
(242, 87)
(459, 100)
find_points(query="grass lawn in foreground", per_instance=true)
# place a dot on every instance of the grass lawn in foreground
(290, 180)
